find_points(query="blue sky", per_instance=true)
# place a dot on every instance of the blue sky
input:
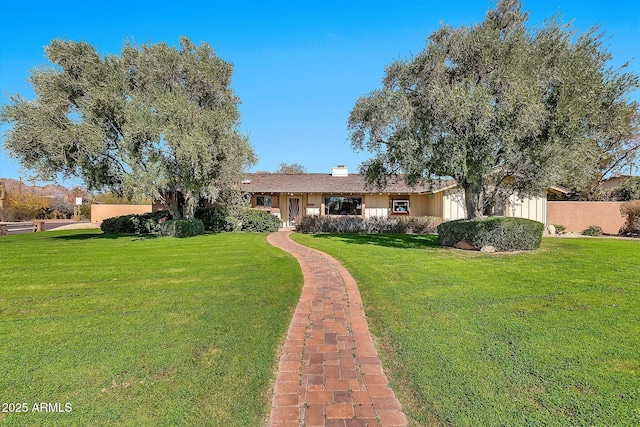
(299, 66)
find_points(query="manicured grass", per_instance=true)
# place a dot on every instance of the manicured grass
(550, 337)
(134, 331)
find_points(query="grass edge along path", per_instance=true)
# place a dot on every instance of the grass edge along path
(329, 371)
(549, 337)
(142, 331)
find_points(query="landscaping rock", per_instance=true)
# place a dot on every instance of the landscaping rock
(488, 249)
(463, 244)
(551, 229)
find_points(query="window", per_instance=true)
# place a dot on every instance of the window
(343, 205)
(263, 201)
(400, 207)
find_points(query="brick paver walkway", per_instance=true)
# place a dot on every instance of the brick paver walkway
(329, 372)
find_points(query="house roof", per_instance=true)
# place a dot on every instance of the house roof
(326, 183)
(558, 189)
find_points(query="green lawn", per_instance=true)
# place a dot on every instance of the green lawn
(550, 337)
(135, 331)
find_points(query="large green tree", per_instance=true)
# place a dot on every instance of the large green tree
(152, 118)
(499, 106)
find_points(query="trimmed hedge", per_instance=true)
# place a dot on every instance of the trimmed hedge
(354, 224)
(148, 223)
(249, 220)
(504, 234)
(253, 220)
(181, 228)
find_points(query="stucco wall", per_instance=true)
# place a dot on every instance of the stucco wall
(102, 212)
(577, 216)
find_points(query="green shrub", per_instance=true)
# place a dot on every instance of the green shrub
(217, 219)
(504, 234)
(254, 220)
(118, 225)
(251, 220)
(592, 230)
(182, 228)
(148, 223)
(631, 226)
(560, 228)
(354, 224)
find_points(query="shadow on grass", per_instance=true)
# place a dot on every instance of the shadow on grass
(402, 241)
(100, 235)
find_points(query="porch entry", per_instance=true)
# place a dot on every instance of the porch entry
(294, 211)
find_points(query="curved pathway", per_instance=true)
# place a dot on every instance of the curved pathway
(329, 373)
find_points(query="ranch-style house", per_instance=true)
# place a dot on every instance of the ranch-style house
(291, 196)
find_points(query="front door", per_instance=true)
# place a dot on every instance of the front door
(294, 211)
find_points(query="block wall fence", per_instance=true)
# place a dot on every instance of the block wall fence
(102, 212)
(577, 216)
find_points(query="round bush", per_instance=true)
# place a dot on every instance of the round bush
(148, 223)
(592, 230)
(182, 228)
(503, 233)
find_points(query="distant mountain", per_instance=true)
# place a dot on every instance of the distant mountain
(50, 190)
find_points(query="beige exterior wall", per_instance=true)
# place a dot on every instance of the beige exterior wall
(577, 216)
(376, 205)
(426, 204)
(314, 204)
(379, 205)
(450, 206)
(453, 205)
(282, 202)
(534, 208)
(102, 212)
(433, 204)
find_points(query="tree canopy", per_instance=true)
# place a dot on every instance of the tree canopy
(500, 107)
(152, 118)
(291, 168)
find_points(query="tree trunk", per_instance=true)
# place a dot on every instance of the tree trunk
(170, 201)
(472, 201)
(189, 208)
